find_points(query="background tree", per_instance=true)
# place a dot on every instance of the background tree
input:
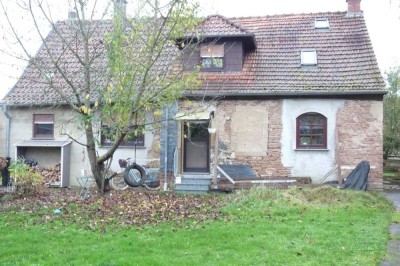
(391, 114)
(109, 72)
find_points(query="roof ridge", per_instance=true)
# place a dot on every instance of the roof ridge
(286, 15)
(229, 21)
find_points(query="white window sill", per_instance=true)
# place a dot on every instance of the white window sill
(124, 147)
(305, 149)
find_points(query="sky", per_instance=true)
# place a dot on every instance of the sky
(382, 18)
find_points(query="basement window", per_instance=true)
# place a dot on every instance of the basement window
(321, 23)
(308, 57)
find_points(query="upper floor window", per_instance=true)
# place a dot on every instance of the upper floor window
(43, 126)
(309, 57)
(311, 131)
(212, 57)
(134, 138)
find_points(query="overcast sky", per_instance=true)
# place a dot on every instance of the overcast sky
(382, 17)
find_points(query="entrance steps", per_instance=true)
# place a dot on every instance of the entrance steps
(193, 183)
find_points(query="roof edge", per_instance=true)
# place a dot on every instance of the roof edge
(249, 94)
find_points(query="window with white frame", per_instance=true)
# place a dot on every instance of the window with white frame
(308, 57)
(321, 23)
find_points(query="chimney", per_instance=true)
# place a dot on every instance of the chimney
(120, 8)
(353, 8)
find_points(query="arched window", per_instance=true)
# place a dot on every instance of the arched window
(311, 129)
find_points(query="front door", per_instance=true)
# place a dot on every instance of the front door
(196, 146)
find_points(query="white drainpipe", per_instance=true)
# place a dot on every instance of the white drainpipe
(166, 150)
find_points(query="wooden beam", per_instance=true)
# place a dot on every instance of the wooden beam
(226, 175)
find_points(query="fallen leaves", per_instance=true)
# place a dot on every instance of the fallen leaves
(119, 208)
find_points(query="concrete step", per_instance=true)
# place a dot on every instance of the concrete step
(191, 181)
(193, 184)
(194, 187)
(197, 176)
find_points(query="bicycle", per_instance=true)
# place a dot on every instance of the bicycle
(131, 175)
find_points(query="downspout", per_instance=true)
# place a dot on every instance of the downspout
(8, 127)
(166, 149)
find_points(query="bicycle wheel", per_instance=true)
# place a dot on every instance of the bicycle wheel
(135, 175)
(118, 182)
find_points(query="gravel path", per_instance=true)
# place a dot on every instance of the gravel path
(393, 256)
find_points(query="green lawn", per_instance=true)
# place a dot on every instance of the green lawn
(321, 226)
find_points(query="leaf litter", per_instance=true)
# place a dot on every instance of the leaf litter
(116, 208)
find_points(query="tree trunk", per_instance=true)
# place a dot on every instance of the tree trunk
(96, 166)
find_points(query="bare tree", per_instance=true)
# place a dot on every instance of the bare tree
(109, 71)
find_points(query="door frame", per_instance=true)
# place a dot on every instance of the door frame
(184, 147)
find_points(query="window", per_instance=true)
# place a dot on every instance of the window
(43, 126)
(321, 23)
(212, 57)
(309, 57)
(311, 131)
(135, 137)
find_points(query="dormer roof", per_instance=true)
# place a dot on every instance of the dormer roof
(217, 26)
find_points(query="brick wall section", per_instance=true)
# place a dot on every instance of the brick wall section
(269, 165)
(359, 126)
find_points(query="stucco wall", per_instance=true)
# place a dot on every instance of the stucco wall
(65, 121)
(311, 163)
(22, 129)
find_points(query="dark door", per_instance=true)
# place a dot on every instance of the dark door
(196, 146)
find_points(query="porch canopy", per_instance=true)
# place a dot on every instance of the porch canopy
(204, 115)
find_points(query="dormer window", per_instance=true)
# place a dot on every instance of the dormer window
(212, 57)
(322, 23)
(308, 57)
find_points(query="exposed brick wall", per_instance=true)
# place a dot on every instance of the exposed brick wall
(269, 165)
(359, 125)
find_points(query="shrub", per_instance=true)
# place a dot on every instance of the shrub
(26, 180)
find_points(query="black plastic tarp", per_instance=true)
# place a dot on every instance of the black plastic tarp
(358, 178)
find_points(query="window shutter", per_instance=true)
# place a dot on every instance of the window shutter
(212, 50)
(43, 119)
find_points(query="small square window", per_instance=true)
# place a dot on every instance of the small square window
(322, 23)
(43, 126)
(309, 57)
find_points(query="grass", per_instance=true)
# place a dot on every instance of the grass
(396, 217)
(320, 226)
(389, 174)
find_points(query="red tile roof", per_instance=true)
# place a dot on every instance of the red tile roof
(346, 60)
(217, 26)
(33, 88)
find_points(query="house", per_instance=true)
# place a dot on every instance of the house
(289, 96)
